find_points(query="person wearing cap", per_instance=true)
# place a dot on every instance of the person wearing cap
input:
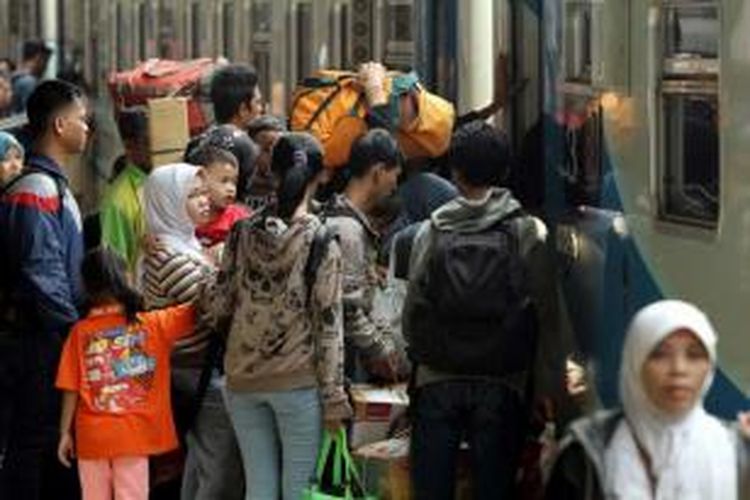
(34, 61)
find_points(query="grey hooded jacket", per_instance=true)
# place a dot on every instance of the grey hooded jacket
(466, 216)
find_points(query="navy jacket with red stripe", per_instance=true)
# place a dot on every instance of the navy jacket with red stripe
(41, 248)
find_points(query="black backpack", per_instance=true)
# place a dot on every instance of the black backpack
(476, 315)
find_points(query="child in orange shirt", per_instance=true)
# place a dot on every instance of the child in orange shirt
(115, 373)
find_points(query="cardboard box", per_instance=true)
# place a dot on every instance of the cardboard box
(386, 472)
(167, 129)
(376, 410)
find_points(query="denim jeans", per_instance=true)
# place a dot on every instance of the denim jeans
(490, 416)
(277, 428)
(213, 468)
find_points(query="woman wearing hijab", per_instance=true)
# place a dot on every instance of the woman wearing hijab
(662, 445)
(11, 158)
(176, 202)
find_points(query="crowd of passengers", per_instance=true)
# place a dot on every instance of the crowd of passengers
(205, 336)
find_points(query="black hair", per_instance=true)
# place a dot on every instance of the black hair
(296, 159)
(46, 101)
(9, 62)
(480, 153)
(234, 140)
(376, 146)
(104, 278)
(33, 48)
(231, 86)
(265, 123)
(208, 154)
(133, 125)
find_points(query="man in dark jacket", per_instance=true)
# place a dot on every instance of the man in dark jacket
(41, 248)
(475, 352)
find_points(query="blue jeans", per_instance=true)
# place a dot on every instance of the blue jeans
(490, 416)
(213, 466)
(277, 428)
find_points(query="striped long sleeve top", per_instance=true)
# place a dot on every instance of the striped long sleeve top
(171, 278)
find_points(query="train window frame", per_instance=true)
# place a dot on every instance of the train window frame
(688, 94)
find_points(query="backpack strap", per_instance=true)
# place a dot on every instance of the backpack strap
(318, 250)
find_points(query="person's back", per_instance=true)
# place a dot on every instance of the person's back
(474, 314)
(41, 247)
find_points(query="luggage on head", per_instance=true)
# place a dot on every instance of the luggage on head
(332, 106)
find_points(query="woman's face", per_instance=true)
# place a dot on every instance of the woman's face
(198, 205)
(10, 166)
(674, 372)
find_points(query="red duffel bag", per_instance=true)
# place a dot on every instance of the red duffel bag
(155, 78)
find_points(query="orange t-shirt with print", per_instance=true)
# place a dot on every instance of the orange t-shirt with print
(121, 374)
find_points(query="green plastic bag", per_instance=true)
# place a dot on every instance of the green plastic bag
(344, 483)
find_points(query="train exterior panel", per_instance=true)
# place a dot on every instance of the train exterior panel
(646, 110)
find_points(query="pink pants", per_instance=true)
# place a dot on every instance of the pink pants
(126, 476)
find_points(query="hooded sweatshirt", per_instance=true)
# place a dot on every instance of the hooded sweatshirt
(279, 341)
(470, 216)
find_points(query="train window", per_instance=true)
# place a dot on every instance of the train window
(262, 63)
(344, 22)
(167, 33)
(690, 190)
(228, 30)
(692, 31)
(399, 22)
(143, 31)
(304, 35)
(121, 37)
(578, 30)
(690, 159)
(261, 13)
(196, 27)
(399, 34)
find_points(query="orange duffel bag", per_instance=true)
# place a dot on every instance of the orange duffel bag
(156, 78)
(332, 106)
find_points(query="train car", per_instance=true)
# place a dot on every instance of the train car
(646, 142)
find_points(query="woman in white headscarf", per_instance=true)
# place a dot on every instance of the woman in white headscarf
(662, 445)
(175, 271)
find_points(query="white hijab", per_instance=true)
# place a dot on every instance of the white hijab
(692, 456)
(165, 194)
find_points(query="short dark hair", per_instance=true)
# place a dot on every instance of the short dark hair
(208, 154)
(236, 141)
(104, 277)
(480, 153)
(9, 62)
(376, 146)
(266, 123)
(48, 99)
(231, 86)
(33, 48)
(296, 159)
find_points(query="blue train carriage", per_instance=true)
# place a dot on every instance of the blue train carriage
(646, 114)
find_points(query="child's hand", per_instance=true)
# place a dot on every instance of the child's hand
(66, 449)
(152, 244)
